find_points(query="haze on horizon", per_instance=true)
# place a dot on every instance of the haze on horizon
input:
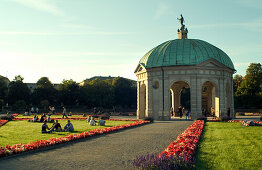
(78, 40)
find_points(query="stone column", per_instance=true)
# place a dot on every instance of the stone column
(193, 99)
(221, 89)
(160, 99)
(166, 110)
(138, 99)
(232, 98)
(147, 99)
(199, 98)
(150, 98)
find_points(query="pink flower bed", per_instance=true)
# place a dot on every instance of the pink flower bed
(186, 143)
(2, 122)
(19, 148)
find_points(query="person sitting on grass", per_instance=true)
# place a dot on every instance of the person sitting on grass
(42, 117)
(101, 122)
(45, 127)
(35, 119)
(89, 118)
(49, 120)
(57, 127)
(69, 127)
(92, 122)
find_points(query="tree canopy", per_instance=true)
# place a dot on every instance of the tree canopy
(44, 91)
(17, 90)
(249, 92)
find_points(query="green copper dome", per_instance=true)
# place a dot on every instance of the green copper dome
(184, 52)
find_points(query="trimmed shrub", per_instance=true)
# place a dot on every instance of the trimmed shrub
(20, 104)
(241, 113)
(149, 119)
(226, 118)
(6, 117)
(105, 116)
(201, 118)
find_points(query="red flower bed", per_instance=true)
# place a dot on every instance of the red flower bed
(235, 121)
(2, 122)
(247, 123)
(186, 143)
(16, 114)
(72, 118)
(18, 148)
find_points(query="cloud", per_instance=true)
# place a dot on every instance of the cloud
(42, 5)
(6, 43)
(24, 33)
(66, 33)
(97, 55)
(77, 26)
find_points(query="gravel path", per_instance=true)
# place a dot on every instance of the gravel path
(112, 151)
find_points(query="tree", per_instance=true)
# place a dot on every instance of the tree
(252, 82)
(17, 90)
(3, 88)
(124, 91)
(44, 91)
(249, 93)
(68, 92)
(97, 93)
(236, 81)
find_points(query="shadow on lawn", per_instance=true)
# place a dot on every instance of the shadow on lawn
(201, 163)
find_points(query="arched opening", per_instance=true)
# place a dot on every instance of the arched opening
(180, 97)
(228, 99)
(209, 102)
(142, 101)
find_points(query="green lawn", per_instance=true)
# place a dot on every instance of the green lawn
(230, 146)
(15, 132)
(52, 116)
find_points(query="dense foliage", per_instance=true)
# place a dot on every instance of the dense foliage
(108, 94)
(248, 89)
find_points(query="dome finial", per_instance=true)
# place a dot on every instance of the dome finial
(182, 32)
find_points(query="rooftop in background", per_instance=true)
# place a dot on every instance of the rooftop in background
(101, 78)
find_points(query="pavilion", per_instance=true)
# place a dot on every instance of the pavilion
(190, 73)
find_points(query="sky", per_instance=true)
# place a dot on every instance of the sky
(78, 39)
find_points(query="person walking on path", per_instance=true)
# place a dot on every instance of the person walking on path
(64, 113)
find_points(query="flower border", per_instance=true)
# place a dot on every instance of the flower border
(186, 143)
(20, 148)
(179, 154)
(3, 122)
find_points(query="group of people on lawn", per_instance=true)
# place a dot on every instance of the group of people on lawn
(92, 122)
(69, 126)
(57, 127)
